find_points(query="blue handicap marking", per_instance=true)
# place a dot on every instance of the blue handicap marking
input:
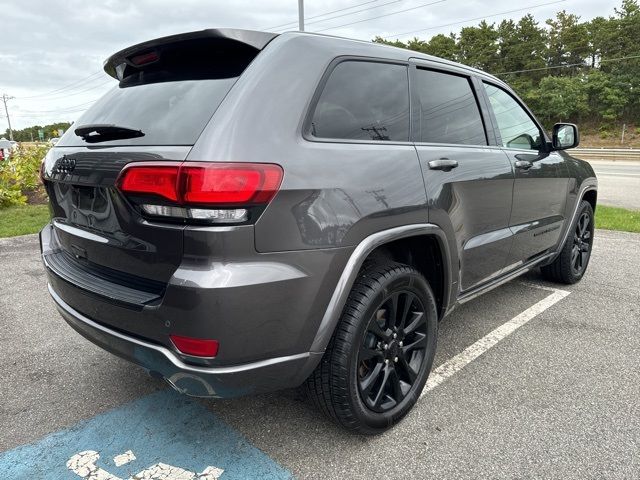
(162, 436)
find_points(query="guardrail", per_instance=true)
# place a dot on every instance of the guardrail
(606, 153)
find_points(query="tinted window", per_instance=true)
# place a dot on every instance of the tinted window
(449, 111)
(169, 113)
(364, 101)
(516, 127)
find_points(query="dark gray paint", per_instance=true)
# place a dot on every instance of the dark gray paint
(274, 290)
(539, 204)
(87, 201)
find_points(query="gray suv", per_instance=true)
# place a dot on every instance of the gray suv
(247, 211)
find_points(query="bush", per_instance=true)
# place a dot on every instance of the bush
(19, 174)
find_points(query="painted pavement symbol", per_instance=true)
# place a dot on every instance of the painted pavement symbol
(84, 465)
(164, 436)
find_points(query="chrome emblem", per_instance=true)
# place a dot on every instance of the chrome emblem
(64, 165)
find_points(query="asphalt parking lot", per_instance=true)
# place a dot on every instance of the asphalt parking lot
(558, 397)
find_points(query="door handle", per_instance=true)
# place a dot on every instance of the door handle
(443, 164)
(523, 164)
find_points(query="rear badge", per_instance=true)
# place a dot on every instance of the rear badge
(64, 165)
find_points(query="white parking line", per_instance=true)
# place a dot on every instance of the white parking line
(457, 363)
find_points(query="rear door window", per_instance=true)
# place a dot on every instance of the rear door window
(168, 113)
(449, 110)
(364, 100)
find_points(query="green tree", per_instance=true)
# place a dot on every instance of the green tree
(417, 45)
(627, 35)
(606, 97)
(626, 73)
(507, 46)
(478, 46)
(562, 99)
(394, 43)
(31, 133)
(531, 47)
(443, 46)
(568, 43)
(540, 63)
(600, 33)
(522, 46)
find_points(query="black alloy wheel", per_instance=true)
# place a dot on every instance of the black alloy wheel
(582, 240)
(381, 352)
(392, 351)
(571, 263)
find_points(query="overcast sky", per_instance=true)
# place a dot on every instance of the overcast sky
(53, 51)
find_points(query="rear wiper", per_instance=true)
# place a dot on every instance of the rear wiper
(100, 132)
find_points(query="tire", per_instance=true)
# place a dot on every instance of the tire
(569, 267)
(348, 384)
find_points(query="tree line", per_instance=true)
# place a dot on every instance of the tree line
(587, 72)
(30, 134)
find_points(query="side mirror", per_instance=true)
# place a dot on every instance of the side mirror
(565, 135)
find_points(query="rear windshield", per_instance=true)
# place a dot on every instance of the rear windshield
(168, 113)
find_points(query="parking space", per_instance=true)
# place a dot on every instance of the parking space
(545, 383)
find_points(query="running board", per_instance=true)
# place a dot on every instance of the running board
(476, 292)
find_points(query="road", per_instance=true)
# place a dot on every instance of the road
(558, 398)
(618, 183)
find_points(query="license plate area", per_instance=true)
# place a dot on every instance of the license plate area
(86, 206)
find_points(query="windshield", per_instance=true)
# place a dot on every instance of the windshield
(169, 113)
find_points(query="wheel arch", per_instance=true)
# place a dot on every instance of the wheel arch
(391, 244)
(591, 196)
(424, 253)
(588, 190)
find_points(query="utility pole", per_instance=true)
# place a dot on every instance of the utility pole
(5, 99)
(377, 133)
(301, 15)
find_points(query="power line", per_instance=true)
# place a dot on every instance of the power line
(385, 15)
(582, 64)
(353, 13)
(110, 80)
(319, 15)
(35, 117)
(62, 110)
(472, 19)
(56, 113)
(66, 87)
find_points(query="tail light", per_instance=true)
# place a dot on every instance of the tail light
(210, 192)
(229, 184)
(154, 180)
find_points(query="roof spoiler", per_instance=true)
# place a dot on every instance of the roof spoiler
(133, 59)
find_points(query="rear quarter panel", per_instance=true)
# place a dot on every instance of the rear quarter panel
(333, 194)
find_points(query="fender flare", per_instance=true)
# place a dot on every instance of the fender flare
(590, 183)
(357, 258)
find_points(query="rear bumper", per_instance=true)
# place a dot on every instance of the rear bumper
(215, 382)
(257, 306)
